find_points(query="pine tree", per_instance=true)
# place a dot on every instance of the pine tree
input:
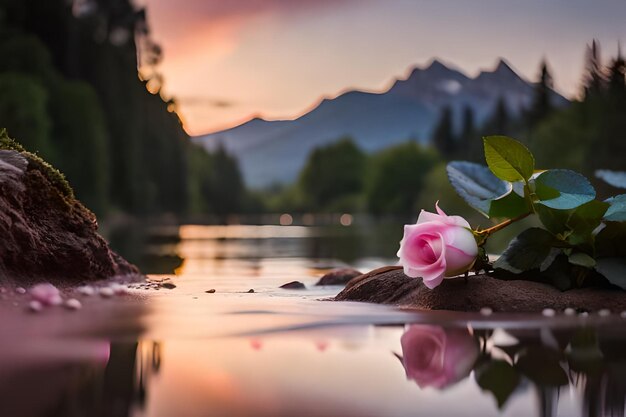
(500, 121)
(469, 124)
(443, 136)
(595, 79)
(617, 74)
(541, 105)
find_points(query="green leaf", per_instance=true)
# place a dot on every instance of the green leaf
(549, 260)
(617, 208)
(508, 159)
(563, 189)
(581, 259)
(476, 184)
(613, 269)
(553, 220)
(509, 205)
(615, 178)
(499, 378)
(527, 251)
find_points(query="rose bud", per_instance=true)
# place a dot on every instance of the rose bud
(437, 357)
(436, 247)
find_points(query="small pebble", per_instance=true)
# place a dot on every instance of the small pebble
(211, 291)
(20, 290)
(86, 290)
(548, 312)
(118, 289)
(605, 312)
(486, 311)
(73, 304)
(569, 311)
(168, 285)
(584, 314)
(106, 292)
(623, 314)
(35, 306)
(293, 285)
(2, 290)
(46, 294)
(251, 290)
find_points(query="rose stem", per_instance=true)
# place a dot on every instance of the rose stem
(500, 226)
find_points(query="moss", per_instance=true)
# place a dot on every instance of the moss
(56, 178)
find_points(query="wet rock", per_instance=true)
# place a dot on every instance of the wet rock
(168, 285)
(211, 291)
(389, 285)
(294, 285)
(47, 235)
(339, 276)
(250, 290)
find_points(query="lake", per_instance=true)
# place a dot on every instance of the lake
(189, 351)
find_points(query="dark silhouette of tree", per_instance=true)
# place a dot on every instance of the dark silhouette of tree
(397, 178)
(595, 80)
(80, 101)
(443, 136)
(227, 189)
(332, 172)
(617, 73)
(500, 121)
(542, 104)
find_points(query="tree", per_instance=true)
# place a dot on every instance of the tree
(443, 136)
(23, 102)
(397, 177)
(81, 142)
(617, 74)
(500, 121)
(541, 105)
(595, 80)
(332, 172)
(227, 187)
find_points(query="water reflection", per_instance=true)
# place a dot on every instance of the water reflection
(275, 352)
(506, 364)
(163, 249)
(436, 357)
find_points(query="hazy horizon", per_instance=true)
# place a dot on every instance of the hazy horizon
(276, 59)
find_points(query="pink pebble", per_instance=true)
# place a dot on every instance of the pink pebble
(46, 294)
(73, 304)
(118, 289)
(106, 292)
(35, 306)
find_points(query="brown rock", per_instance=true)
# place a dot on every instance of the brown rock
(293, 285)
(389, 285)
(46, 234)
(340, 276)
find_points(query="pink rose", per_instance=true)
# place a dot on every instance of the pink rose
(434, 357)
(437, 246)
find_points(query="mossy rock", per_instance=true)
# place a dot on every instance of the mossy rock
(35, 162)
(47, 234)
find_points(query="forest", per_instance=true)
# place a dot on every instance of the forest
(80, 86)
(71, 91)
(587, 135)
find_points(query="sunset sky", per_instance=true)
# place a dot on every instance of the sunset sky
(229, 60)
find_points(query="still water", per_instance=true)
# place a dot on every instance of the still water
(274, 352)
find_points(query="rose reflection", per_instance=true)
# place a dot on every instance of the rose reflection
(436, 357)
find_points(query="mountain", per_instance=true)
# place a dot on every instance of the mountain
(272, 152)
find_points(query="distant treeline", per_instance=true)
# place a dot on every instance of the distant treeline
(70, 90)
(587, 135)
